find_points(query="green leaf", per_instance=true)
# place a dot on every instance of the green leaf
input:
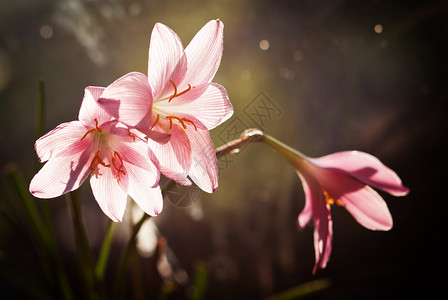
(302, 290)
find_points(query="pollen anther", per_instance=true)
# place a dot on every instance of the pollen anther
(330, 200)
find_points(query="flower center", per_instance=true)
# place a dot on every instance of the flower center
(330, 200)
(115, 160)
(160, 118)
(92, 130)
(116, 165)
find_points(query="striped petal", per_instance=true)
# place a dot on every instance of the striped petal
(166, 60)
(204, 167)
(366, 168)
(90, 110)
(64, 140)
(129, 99)
(147, 197)
(207, 102)
(109, 194)
(61, 175)
(204, 53)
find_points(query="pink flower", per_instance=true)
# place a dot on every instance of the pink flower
(342, 178)
(177, 104)
(117, 159)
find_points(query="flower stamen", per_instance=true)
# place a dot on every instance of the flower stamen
(330, 200)
(96, 126)
(175, 94)
(87, 133)
(181, 121)
(157, 120)
(97, 160)
(92, 130)
(120, 167)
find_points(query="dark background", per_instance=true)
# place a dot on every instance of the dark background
(334, 84)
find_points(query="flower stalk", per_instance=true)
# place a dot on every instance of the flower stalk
(247, 136)
(46, 246)
(101, 264)
(83, 251)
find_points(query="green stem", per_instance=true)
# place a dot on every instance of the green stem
(296, 158)
(44, 205)
(303, 290)
(28, 203)
(200, 281)
(247, 136)
(40, 128)
(46, 240)
(123, 261)
(83, 250)
(104, 252)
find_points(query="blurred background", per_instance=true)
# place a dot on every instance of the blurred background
(321, 76)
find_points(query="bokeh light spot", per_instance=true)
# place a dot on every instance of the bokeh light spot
(378, 28)
(286, 73)
(46, 31)
(245, 75)
(264, 45)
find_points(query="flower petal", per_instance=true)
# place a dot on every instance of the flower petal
(316, 208)
(173, 157)
(368, 208)
(136, 153)
(207, 102)
(166, 60)
(148, 198)
(204, 167)
(90, 110)
(311, 196)
(109, 194)
(366, 168)
(363, 203)
(204, 53)
(323, 234)
(61, 175)
(129, 99)
(64, 140)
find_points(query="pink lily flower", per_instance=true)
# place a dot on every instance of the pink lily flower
(117, 160)
(346, 179)
(177, 104)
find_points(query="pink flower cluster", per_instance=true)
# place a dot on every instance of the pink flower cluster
(140, 126)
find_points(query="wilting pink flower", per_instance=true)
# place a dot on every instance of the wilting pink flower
(342, 178)
(117, 159)
(177, 104)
